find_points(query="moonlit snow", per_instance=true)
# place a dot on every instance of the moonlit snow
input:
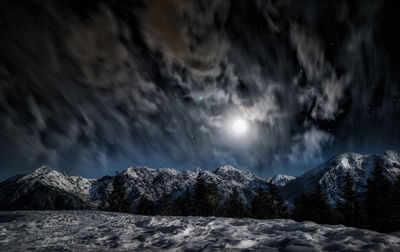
(104, 231)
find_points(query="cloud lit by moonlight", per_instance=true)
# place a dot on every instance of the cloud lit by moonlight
(106, 85)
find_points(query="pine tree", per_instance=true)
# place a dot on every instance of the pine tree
(182, 205)
(187, 203)
(234, 206)
(395, 205)
(258, 204)
(212, 199)
(320, 210)
(165, 206)
(275, 205)
(312, 207)
(301, 208)
(59, 203)
(144, 206)
(117, 201)
(350, 210)
(177, 206)
(200, 198)
(378, 201)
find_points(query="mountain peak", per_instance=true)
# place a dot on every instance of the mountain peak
(331, 174)
(44, 169)
(392, 155)
(226, 169)
(231, 173)
(141, 180)
(198, 170)
(136, 169)
(280, 179)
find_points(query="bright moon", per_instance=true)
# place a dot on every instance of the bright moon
(239, 126)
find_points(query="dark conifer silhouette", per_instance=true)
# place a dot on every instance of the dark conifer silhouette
(117, 201)
(144, 206)
(213, 200)
(395, 206)
(234, 206)
(165, 207)
(275, 206)
(187, 203)
(200, 198)
(320, 210)
(378, 198)
(258, 204)
(183, 205)
(312, 207)
(301, 208)
(177, 206)
(350, 211)
(60, 203)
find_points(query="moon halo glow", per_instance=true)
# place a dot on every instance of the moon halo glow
(239, 126)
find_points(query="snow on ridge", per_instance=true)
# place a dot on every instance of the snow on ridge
(232, 173)
(141, 180)
(280, 179)
(331, 174)
(135, 170)
(103, 231)
(392, 155)
(44, 176)
(152, 183)
(44, 169)
(63, 181)
(227, 169)
(138, 181)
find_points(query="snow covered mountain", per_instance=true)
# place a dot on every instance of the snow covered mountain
(49, 189)
(331, 174)
(42, 188)
(153, 182)
(280, 179)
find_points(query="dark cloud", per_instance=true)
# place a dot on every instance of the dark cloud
(186, 31)
(94, 87)
(96, 46)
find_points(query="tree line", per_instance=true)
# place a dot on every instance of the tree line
(378, 208)
(203, 201)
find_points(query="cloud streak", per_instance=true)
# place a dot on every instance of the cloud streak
(112, 84)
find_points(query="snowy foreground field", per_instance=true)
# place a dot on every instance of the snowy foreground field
(103, 231)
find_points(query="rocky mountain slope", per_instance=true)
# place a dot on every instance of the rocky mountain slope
(331, 174)
(49, 189)
(42, 188)
(280, 179)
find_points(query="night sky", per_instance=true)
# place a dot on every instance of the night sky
(91, 87)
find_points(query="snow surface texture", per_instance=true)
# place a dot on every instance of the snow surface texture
(103, 231)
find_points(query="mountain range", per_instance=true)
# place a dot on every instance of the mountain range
(43, 188)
